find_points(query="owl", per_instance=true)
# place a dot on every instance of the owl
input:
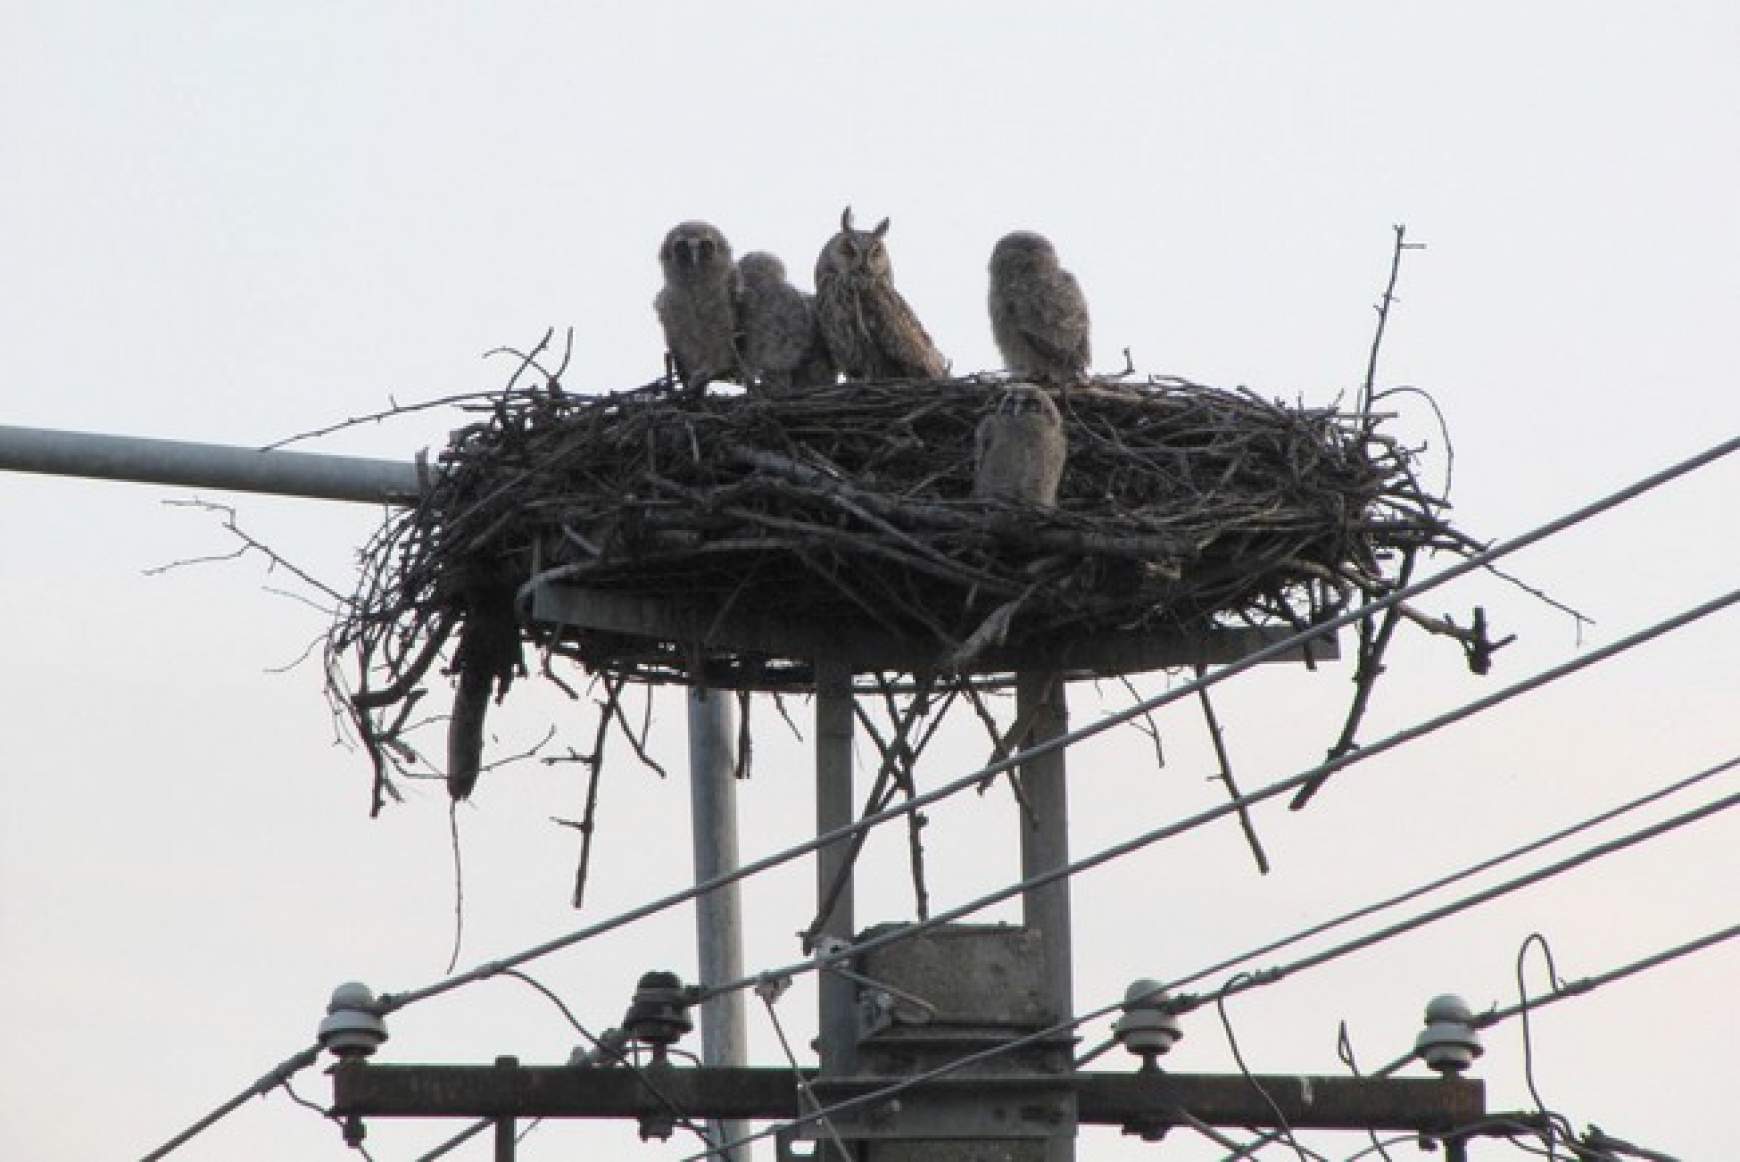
(870, 331)
(1020, 448)
(1038, 315)
(782, 348)
(697, 305)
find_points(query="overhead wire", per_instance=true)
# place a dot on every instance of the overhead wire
(1561, 991)
(1446, 880)
(1284, 1129)
(290, 1092)
(1209, 815)
(308, 1056)
(1588, 984)
(678, 1115)
(769, 993)
(1475, 899)
(392, 1001)
(1247, 981)
(1557, 1125)
(268, 1082)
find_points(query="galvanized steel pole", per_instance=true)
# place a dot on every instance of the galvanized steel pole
(1045, 846)
(719, 913)
(837, 1019)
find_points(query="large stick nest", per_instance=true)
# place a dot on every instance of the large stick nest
(1182, 507)
(847, 511)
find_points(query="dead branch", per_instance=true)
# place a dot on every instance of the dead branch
(1383, 314)
(1225, 776)
(594, 763)
(999, 749)
(1373, 641)
(249, 545)
(1146, 723)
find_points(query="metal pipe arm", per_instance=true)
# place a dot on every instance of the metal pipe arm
(222, 466)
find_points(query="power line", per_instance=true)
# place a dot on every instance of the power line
(280, 1074)
(294, 1064)
(1485, 895)
(1209, 815)
(1262, 978)
(393, 1001)
(1561, 991)
(606, 1054)
(1444, 881)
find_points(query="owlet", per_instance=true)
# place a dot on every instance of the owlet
(1038, 315)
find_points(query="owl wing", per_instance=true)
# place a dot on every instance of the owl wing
(1056, 322)
(900, 337)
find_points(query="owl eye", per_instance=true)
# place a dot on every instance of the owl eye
(703, 250)
(850, 247)
(876, 250)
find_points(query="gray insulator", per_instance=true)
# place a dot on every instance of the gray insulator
(353, 1027)
(1147, 1028)
(1449, 1043)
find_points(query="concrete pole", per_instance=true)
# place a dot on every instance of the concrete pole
(221, 466)
(837, 1020)
(1045, 846)
(719, 913)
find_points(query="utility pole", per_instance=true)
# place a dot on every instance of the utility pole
(837, 1015)
(1040, 698)
(921, 1003)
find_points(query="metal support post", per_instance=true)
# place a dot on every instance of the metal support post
(837, 1019)
(1045, 840)
(719, 913)
(1045, 844)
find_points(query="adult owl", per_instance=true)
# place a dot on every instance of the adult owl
(697, 306)
(782, 348)
(870, 331)
(1020, 448)
(1038, 315)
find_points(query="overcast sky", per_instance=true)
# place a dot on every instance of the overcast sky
(236, 222)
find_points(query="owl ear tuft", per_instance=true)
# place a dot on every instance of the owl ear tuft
(881, 229)
(846, 219)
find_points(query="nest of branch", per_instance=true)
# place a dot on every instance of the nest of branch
(1182, 507)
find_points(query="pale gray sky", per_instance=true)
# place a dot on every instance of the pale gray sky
(236, 222)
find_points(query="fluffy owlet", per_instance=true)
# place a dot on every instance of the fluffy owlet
(697, 305)
(870, 331)
(1021, 448)
(1038, 315)
(782, 348)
